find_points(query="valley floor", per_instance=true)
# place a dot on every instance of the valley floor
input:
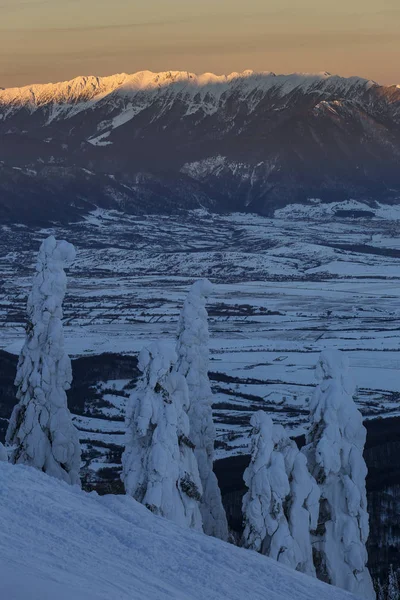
(285, 288)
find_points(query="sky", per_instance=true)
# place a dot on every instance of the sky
(56, 40)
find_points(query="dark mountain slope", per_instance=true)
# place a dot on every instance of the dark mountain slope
(171, 141)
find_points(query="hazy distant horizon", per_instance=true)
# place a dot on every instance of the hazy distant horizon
(45, 41)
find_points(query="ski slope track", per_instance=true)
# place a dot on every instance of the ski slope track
(61, 543)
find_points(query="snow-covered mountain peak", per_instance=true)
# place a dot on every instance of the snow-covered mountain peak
(247, 80)
(227, 139)
(80, 89)
(89, 88)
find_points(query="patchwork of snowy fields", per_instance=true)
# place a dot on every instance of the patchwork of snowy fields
(322, 276)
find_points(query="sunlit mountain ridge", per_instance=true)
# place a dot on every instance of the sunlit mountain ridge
(164, 142)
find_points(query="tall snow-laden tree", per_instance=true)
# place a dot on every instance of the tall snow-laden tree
(3, 453)
(159, 468)
(281, 504)
(41, 433)
(193, 359)
(335, 443)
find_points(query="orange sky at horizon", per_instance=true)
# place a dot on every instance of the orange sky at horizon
(54, 40)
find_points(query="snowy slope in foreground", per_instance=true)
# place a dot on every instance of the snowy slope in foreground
(60, 543)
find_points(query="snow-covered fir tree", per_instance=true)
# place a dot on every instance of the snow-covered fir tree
(3, 453)
(41, 433)
(193, 359)
(301, 507)
(281, 504)
(335, 443)
(266, 529)
(159, 468)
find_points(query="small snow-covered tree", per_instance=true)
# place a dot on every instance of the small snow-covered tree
(193, 358)
(3, 453)
(335, 443)
(266, 529)
(393, 591)
(281, 504)
(159, 468)
(380, 591)
(41, 433)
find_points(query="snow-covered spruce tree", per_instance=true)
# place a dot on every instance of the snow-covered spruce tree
(281, 504)
(301, 507)
(159, 468)
(3, 453)
(266, 528)
(41, 433)
(193, 357)
(334, 449)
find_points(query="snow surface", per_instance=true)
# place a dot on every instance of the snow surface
(320, 210)
(60, 543)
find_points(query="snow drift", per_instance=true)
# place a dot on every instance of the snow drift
(60, 542)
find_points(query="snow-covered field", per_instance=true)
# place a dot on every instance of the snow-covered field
(60, 542)
(315, 277)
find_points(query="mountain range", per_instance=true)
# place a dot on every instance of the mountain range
(164, 142)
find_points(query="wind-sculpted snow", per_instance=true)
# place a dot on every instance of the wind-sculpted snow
(193, 364)
(335, 444)
(159, 468)
(60, 542)
(41, 432)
